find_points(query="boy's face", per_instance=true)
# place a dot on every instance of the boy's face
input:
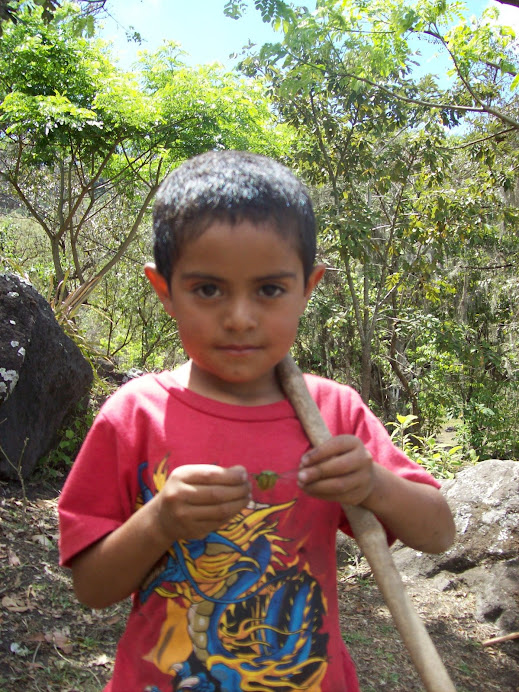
(237, 293)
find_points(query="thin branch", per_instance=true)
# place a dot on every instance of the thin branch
(481, 139)
(489, 267)
(409, 99)
(505, 637)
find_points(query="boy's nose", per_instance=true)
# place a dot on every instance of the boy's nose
(240, 315)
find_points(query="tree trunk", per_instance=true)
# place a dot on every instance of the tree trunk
(59, 274)
(365, 372)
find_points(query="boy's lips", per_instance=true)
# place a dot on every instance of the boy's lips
(238, 348)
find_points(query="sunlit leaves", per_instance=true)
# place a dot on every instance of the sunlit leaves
(387, 40)
(84, 146)
(40, 115)
(400, 202)
(273, 11)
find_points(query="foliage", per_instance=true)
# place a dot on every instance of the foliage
(365, 153)
(66, 306)
(83, 149)
(440, 459)
(386, 38)
(415, 183)
(12, 10)
(66, 116)
(57, 463)
(403, 204)
(273, 11)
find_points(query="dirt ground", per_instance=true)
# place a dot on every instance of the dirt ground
(49, 643)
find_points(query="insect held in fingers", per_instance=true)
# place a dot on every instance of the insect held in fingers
(266, 480)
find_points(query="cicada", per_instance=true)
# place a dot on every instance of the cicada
(266, 480)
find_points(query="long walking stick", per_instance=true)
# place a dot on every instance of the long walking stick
(372, 540)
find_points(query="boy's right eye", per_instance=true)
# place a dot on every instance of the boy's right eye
(207, 290)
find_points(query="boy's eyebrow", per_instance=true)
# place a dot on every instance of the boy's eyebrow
(212, 277)
(200, 275)
(277, 275)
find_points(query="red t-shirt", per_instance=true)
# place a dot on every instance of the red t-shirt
(254, 605)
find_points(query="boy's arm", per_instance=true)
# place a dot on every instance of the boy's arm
(416, 513)
(343, 470)
(112, 568)
(195, 500)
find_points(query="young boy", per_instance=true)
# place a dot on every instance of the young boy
(233, 578)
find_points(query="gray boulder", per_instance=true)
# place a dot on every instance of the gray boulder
(484, 500)
(43, 375)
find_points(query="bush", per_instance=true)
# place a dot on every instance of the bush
(441, 460)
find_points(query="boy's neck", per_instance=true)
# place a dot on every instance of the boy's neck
(267, 391)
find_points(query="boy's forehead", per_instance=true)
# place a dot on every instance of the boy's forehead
(268, 233)
(221, 238)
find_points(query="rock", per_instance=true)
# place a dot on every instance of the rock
(132, 374)
(43, 375)
(497, 589)
(15, 329)
(108, 371)
(346, 550)
(484, 500)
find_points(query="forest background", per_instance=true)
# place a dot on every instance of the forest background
(414, 176)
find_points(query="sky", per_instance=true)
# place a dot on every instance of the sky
(200, 26)
(205, 33)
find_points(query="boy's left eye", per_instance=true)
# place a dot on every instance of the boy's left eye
(271, 290)
(207, 290)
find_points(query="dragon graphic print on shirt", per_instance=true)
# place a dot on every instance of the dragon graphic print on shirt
(243, 611)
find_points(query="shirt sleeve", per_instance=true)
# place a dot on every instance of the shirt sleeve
(97, 495)
(345, 413)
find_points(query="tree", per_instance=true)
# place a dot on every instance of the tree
(70, 125)
(85, 146)
(400, 201)
(388, 35)
(11, 10)
(356, 145)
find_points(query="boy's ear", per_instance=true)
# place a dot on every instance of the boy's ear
(160, 285)
(314, 278)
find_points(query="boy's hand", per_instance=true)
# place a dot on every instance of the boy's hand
(199, 498)
(339, 470)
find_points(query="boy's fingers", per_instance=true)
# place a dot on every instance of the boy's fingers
(209, 484)
(211, 474)
(216, 495)
(352, 488)
(216, 514)
(335, 467)
(318, 472)
(335, 446)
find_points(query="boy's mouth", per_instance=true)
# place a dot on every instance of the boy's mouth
(238, 348)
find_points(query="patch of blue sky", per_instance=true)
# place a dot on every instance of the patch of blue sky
(206, 35)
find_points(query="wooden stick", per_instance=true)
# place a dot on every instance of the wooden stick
(498, 640)
(372, 540)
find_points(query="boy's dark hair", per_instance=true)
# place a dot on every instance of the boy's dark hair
(230, 186)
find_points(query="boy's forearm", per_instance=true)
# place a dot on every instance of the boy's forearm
(114, 567)
(416, 513)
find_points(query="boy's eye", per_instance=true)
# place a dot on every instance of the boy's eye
(271, 290)
(207, 290)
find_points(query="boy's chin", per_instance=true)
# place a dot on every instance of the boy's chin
(245, 382)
